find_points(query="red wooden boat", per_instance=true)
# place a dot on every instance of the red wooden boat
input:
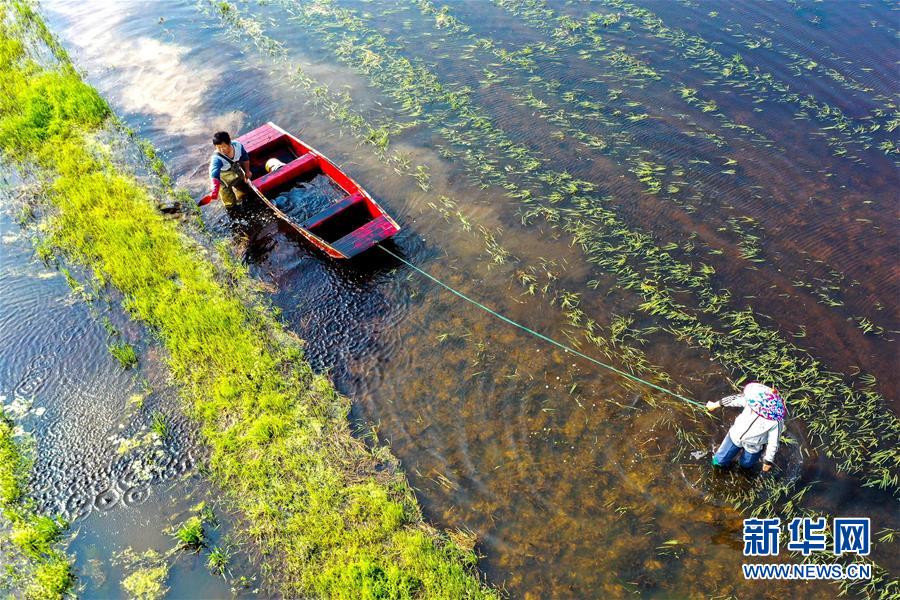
(343, 229)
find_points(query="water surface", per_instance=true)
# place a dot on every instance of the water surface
(574, 481)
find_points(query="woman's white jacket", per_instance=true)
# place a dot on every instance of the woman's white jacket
(751, 431)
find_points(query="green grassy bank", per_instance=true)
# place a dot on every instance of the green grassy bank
(327, 516)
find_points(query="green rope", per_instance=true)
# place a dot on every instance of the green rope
(540, 335)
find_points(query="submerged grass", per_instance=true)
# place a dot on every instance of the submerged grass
(147, 584)
(339, 109)
(330, 516)
(734, 336)
(218, 560)
(148, 574)
(734, 72)
(621, 328)
(190, 534)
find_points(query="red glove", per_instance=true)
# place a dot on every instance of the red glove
(212, 195)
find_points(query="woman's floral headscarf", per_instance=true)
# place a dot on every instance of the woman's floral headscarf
(765, 401)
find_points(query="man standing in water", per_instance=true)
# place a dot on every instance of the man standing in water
(760, 424)
(229, 171)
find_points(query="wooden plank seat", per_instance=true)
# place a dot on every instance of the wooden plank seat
(292, 170)
(259, 137)
(332, 210)
(365, 237)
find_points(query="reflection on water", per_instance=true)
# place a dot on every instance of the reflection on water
(577, 483)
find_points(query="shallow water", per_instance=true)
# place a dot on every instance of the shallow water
(571, 480)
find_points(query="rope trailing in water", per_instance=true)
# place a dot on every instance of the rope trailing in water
(541, 335)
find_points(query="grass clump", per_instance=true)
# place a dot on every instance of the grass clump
(159, 425)
(190, 534)
(14, 465)
(50, 104)
(35, 537)
(325, 518)
(124, 353)
(39, 105)
(218, 560)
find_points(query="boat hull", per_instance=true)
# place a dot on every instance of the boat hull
(343, 230)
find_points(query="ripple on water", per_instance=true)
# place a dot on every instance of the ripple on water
(74, 397)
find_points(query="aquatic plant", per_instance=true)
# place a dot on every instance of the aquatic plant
(219, 558)
(748, 232)
(619, 143)
(400, 162)
(603, 236)
(768, 497)
(147, 583)
(156, 163)
(124, 353)
(159, 425)
(801, 65)
(714, 303)
(735, 72)
(190, 534)
(539, 15)
(337, 106)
